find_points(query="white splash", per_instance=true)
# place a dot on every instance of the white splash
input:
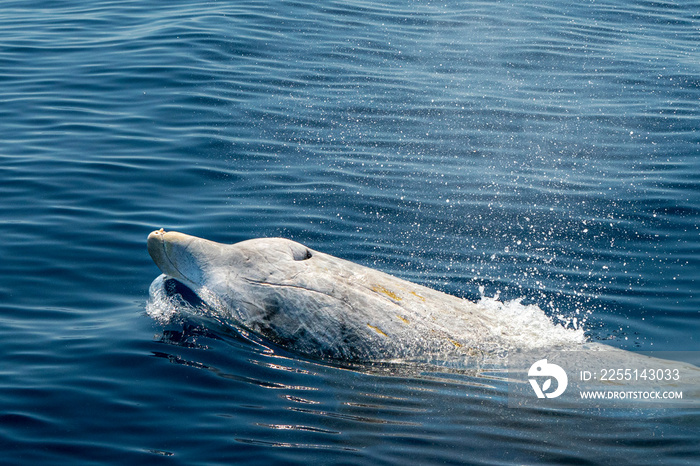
(527, 326)
(162, 307)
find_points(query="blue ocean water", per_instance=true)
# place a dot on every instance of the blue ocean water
(541, 150)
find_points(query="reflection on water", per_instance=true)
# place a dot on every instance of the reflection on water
(338, 407)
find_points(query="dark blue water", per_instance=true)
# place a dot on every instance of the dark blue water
(546, 151)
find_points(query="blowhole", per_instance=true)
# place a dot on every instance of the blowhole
(301, 254)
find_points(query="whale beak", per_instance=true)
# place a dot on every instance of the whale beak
(177, 255)
(156, 249)
(159, 253)
(155, 246)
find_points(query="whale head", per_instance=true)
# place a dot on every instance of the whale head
(268, 285)
(195, 261)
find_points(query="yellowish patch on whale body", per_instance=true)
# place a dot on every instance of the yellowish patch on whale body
(405, 320)
(418, 296)
(381, 289)
(377, 329)
(456, 343)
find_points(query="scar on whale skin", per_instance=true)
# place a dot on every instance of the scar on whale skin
(377, 329)
(381, 289)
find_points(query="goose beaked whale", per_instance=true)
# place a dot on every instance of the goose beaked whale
(323, 306)
(329, 308)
